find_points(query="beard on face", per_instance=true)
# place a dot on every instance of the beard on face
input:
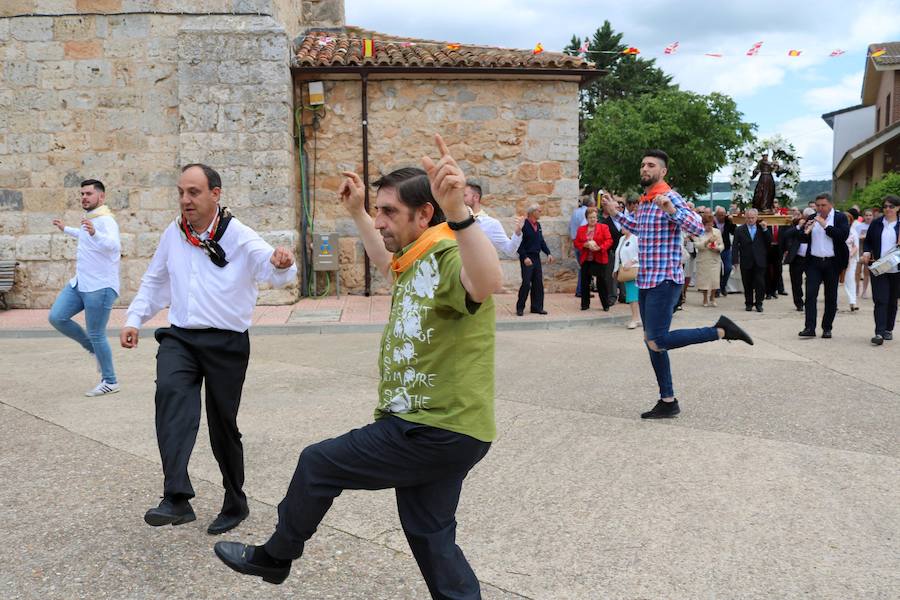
(647, 180)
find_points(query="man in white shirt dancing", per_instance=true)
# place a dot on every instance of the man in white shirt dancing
(491, 226)
(205, 269)
(95, 287)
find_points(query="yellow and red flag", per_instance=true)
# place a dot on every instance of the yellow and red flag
(877, 53)
(631, 50)
(453, 46)
(795, 52)
(368, 48)
(537, 48)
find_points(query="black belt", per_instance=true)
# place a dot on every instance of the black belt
(822, 257)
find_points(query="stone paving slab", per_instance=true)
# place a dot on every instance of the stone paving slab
(778, 480)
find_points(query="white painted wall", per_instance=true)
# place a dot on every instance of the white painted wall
(850, 128)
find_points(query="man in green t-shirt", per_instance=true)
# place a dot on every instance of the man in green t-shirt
(434, 419)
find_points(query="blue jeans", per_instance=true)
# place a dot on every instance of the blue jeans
(656, 306)
(96, 306)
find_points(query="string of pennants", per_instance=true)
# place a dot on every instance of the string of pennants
(673, 48)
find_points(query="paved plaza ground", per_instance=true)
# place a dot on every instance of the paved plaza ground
(780, 478)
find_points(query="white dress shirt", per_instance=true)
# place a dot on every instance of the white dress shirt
(199, 294)
(495, 232)
(97, 262)
(626, 252)
(822, 246)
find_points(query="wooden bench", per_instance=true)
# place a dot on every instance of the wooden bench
(7, 279)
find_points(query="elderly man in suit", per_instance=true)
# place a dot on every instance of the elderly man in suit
(826, 233)
(530, 262)
(751, 246)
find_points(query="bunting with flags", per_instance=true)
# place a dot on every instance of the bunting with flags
(878, 52)
(836, 52)
(631, 50)
(671, 48)
(454, 46)
(538, 48)
(754, 49)
(795, 52)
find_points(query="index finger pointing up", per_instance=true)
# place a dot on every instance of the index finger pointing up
(442, 147)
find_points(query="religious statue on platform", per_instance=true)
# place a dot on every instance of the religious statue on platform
(764, 194)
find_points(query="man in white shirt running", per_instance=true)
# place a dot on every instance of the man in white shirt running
(95, 287)
(491, 226)
(205, 270)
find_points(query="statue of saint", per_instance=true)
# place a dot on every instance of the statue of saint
(764, 194)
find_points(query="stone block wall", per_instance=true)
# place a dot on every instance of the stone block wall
(127, 99)
(519, 138)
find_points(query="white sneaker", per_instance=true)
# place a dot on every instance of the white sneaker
(632, 325)
(102, 389)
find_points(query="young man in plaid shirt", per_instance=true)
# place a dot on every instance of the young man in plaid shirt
(658, 221)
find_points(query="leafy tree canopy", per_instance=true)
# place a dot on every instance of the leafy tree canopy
(698, 132)
(627, 75)
(874, 193)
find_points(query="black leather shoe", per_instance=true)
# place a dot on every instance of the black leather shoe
(877, 340)
(170, 513)
(520, 313)
(732, 331)
(826, 334)
(539, 312)
(759, 309)
(239, 557)
(223, 523)
(888, 335)
(662, 410)
(808, 333)
(748, 308)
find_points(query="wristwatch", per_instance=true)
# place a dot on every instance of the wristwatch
(460, 225)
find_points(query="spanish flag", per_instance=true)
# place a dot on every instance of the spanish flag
(368, 48)
(537, 48)
(794, 52)
(453, 46)
(631, 50)
(877, 53)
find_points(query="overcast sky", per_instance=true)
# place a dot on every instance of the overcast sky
(777, 92)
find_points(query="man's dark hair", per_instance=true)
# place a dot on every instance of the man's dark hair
(475, 186)
(213, 179)
(416, 192)
(658, 154)
(395, 178)
(823, 196)
(891, 199)
(853, 213)
(98, 185)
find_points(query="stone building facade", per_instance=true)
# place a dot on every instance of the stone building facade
(127, 91)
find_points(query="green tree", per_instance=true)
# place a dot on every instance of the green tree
(626, 75)
(874, 193)
(699, 133)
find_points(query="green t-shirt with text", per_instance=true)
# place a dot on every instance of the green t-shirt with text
(437, 350)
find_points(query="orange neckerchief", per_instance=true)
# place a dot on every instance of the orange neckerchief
(429, 238)
(660, 187)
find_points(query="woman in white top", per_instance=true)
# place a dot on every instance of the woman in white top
(883, 237)
(627, 257)
(862, 273)
(849, 275)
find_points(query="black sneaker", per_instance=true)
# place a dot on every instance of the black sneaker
(826, 334)
(877, 340)
(807, 333)
(662, 410)
(888, 335)
(732, 330)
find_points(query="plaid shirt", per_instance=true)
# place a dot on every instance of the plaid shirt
(659, 239)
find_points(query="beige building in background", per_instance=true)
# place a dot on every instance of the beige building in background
(126, 91)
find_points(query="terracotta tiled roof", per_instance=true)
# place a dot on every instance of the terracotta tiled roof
(345, 48)
(890, 57)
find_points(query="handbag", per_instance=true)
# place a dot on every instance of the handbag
(626, 274)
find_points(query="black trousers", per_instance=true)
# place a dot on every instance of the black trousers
(885, 293)
(186, 359)
(774, 271)
(821, 271)
(591, 270)
(425, 465)
(754, 280)
(612, 288)
(796, 269)
(533, 283)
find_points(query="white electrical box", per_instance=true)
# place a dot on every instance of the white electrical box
(316, 93)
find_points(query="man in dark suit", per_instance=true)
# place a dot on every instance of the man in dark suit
(727, 228)
(751, 246)
(530, 262)
(795, 253)
(774, 279)
(826, 233)
(612, 286)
